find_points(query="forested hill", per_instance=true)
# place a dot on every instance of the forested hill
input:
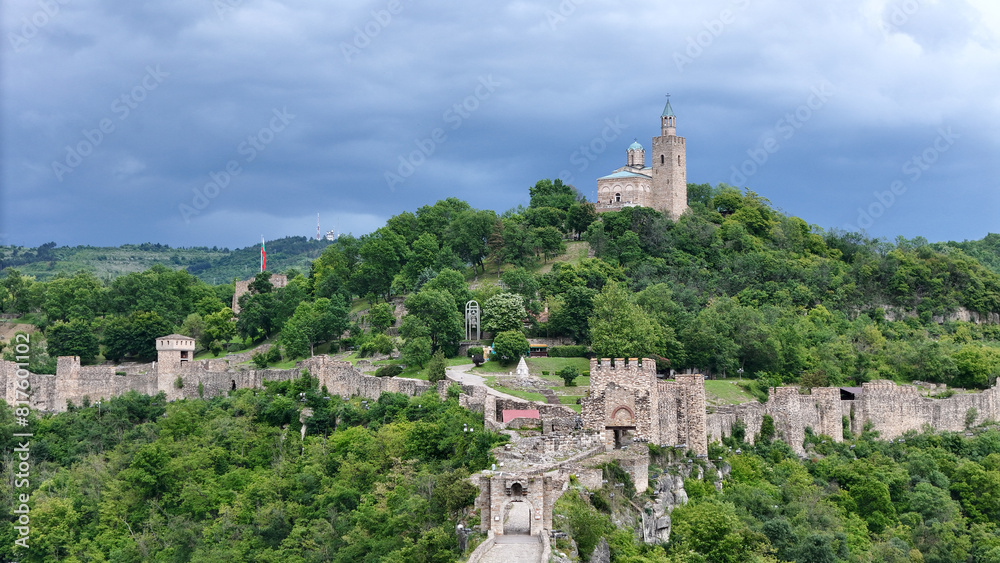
(212, 265)
(732, 285)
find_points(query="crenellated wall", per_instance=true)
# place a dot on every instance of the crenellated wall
(188, 380)
(891, 409)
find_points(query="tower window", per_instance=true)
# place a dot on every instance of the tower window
(662, 159)
(678, 160)
(618, 197)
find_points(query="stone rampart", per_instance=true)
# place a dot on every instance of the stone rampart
(188, 380)
(891, 409)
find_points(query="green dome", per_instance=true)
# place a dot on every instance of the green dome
(635, 146)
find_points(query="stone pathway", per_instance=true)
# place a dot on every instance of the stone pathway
(514, 549)
(461, 374)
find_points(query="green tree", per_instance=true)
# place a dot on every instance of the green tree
(436, 367)
(134, 335)
(416, 351)
(470, 232)
(502, 312)
(521, 282)
(219, 327)
(548, 241)
(437, 311)
(580, 216)
(572, 319)
(194, 326)
(381, 317)
(619, 328)
(509, 346)
(75, 338)
(568, 375)
(552, 193)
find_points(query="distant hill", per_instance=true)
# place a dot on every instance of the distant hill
(212, 265)
(987, 250)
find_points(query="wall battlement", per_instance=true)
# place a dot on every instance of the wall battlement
(891, 409)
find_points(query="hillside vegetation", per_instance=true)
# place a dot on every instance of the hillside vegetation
(733, 288)
(211, 265)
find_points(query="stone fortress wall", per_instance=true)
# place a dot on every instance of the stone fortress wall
(891, 409)
(624, 394)
(187, 380)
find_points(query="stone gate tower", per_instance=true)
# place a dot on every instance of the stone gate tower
(669, 167)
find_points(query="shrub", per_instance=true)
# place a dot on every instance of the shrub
(378, 344)
(388, 371)
(178, 383)
(474, 351)
(568, 375)
(259, 360)
(568, 352)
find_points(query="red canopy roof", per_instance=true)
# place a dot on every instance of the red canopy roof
(511, 414)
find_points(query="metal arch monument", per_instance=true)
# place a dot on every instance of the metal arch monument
(472, 324)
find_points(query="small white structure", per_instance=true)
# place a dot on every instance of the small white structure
(522, 368)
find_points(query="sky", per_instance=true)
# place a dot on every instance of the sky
(214, 122)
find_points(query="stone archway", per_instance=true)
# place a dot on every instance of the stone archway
(517, 518)
(621, 423)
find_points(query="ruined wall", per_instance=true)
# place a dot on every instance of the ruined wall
(893, 409)
(720, 423)
(545, 411)
(202, 378)
(682, 413)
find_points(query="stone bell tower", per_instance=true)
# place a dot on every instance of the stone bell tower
(669, 155)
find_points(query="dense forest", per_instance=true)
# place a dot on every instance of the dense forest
(732, 287)
(140, 479)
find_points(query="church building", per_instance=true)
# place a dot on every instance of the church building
(662, 186)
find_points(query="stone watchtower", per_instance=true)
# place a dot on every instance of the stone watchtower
(172, 351)
(669, 167)
(623, 400)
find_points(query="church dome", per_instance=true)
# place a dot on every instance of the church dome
(635, 146)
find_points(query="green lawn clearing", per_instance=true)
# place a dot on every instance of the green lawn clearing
(725, 392)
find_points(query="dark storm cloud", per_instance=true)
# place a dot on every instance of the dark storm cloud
(210, 122)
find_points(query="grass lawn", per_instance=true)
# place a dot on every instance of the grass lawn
(575, 252)
(725, 392)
